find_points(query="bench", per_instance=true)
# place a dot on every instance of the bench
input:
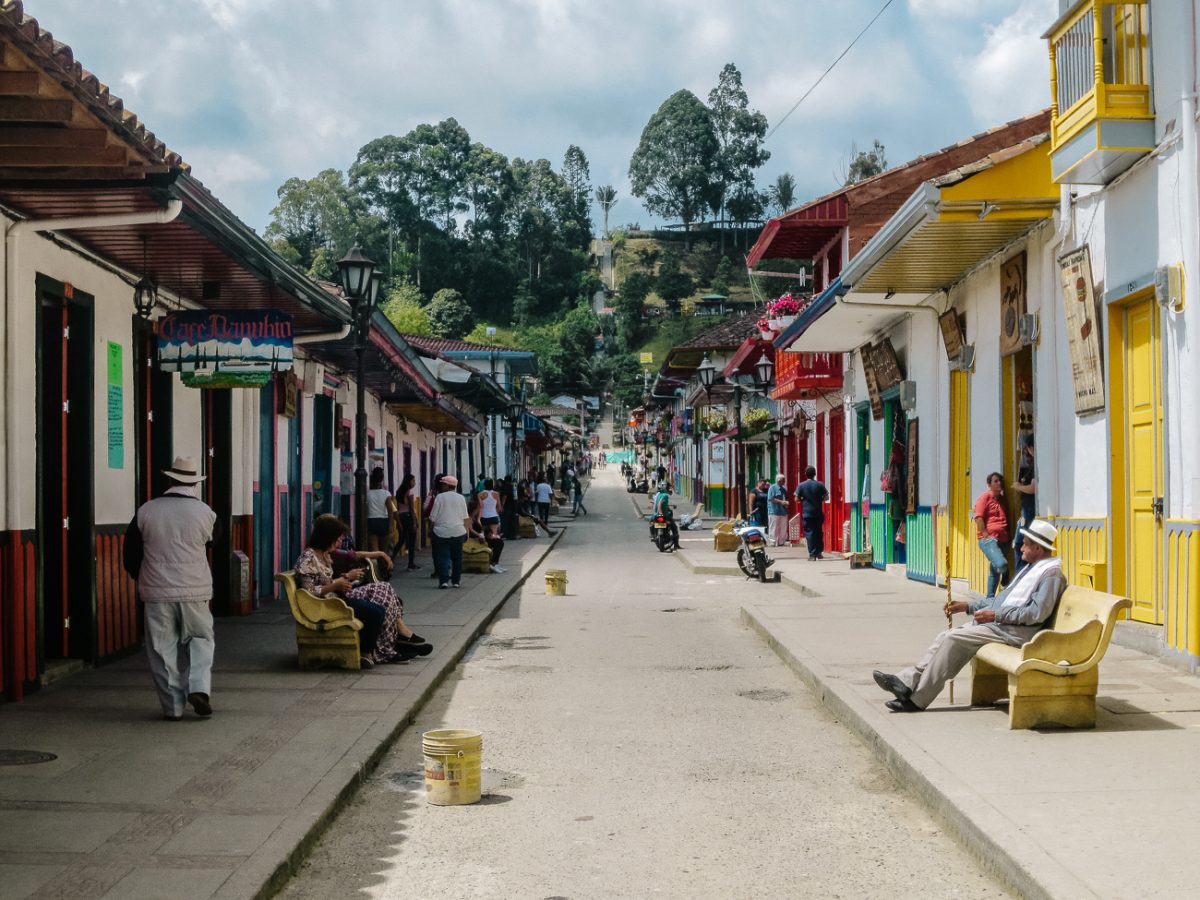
(477, 557)
(1052, 679)
(326, 629)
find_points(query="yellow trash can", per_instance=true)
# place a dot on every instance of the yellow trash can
(556, 582)
(453, 771)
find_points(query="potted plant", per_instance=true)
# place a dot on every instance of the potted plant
(784, 308)
(764, 330)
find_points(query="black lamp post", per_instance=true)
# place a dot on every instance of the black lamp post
(361, 286)
(764, 369)
(707, 372)
(516, 408)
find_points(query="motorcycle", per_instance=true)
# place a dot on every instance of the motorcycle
(752, 554)
(637, 485)
(661, 533)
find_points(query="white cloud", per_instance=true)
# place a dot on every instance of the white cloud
(1010, 76)
(957, 9)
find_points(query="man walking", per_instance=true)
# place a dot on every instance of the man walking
(777, 510)
(1012, 617)
(812, 496)
(165, 551)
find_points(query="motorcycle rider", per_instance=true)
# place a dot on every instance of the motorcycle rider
(662, 507)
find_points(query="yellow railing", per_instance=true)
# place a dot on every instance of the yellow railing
(1182, 584)
(1099, 66)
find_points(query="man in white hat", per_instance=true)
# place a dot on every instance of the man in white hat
(165, 550)
(1012, 617)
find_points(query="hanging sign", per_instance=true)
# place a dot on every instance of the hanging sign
(1083, 330)
(1012, 303)
(867, 355)
(116, 406)
(888, 373)
(235, 348)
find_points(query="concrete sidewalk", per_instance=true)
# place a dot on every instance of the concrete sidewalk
(136, 807)
(1110, 812)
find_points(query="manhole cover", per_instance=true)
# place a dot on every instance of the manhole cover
(25, 757)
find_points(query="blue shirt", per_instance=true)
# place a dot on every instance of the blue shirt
(777, 492)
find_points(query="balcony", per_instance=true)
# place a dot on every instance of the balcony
(1102, 120)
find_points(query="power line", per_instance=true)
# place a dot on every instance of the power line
(828, 70)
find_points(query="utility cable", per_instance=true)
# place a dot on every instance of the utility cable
(828, 70)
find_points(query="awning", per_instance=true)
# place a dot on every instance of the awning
(803, 232)
(945, 229)
(799, 375)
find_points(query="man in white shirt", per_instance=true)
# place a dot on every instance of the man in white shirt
(451, 525)
(165, 551)
(544, 493)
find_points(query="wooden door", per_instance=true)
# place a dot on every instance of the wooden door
(836, 480)
(961, 525)
(1143, 460)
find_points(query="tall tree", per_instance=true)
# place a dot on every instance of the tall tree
(782, 193)
(673, 284)
(606, 197)
(674, 166)
(740, 132)
(865, 163)
(746, 206)
(449, 314)
(315, 220)
(575, 213)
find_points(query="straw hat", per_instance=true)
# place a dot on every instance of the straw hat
(184, 470)
(1041, 533)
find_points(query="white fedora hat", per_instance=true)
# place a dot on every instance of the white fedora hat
(184, 470)
(1042, 533)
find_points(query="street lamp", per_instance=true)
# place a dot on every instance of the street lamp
(361, 287)
(515, 410)
(707, 373)
(764, 369)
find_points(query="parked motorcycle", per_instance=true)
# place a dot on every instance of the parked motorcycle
(663, 533)
(636, 485)
(752, 554)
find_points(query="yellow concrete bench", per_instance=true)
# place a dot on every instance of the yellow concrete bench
(724, 540)
(326, 629)
(1052, 679)
(477, 556)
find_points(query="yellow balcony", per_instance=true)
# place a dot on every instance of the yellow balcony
(1102, 120)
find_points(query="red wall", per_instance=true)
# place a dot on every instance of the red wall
(18, 612)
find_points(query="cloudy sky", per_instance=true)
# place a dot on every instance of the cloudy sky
(252, 92)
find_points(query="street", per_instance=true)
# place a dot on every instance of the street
(638, 741)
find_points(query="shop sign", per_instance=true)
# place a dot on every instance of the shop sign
(235, 348)
(287, 393)
(1012, 303)
(953, 336)
(888, 373)
(867, 354)
(1083, 329)
(910, 475)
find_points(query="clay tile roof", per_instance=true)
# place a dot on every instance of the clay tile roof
(727, 335)
(57, 59)
(450, 345)
(541, 411)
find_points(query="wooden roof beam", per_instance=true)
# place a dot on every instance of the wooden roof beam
(24, 109)
(79, 138)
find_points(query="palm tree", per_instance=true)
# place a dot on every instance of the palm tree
(606, 196)
(783, 192)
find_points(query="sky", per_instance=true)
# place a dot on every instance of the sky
(253, 92)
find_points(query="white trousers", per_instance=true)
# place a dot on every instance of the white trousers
(179, 646)
(778, 526)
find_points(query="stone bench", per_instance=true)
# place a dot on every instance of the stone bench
(326, 629)
(1052, 679)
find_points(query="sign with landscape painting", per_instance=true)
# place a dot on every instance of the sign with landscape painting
(235, 348)
(1083, 331)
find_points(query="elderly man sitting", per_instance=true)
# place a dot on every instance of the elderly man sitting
(1011, 617)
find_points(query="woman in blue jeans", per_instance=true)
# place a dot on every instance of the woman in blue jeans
(451, 524)
(991, 528)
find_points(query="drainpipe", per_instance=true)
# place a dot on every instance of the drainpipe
(323, 336)
(1190, 239)
(15, 315)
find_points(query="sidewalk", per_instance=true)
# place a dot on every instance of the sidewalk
(135, 807)
(1110, 812)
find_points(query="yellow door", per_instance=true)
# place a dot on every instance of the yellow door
(961, 524)
(1143, 454)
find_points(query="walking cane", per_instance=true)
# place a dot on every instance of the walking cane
(949, 615)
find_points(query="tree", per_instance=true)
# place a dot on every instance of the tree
(865, 163)
(449, 314)
(739, 132)
(630, 306)
(746, 205)
(606, 197)
(720, 282)
(315, 220)
(575, 213)
(782, 193)
(404, 309)
(673, 284)
(674, 165)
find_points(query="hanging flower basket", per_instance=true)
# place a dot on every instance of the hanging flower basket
(786, 321)
(764, 329)
(773, 324)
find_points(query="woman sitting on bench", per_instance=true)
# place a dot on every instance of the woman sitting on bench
(384, 636)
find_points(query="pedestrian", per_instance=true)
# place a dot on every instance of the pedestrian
(451, 524)
(406, 517)
(381, 513)
(756, 502)
(166, 552)
(543, 494)
(777, 511)
(1026, 489)
(490, 502)
(991, 530)
(812, 495)
(577, 488)
(492, 538)
(1013, 617)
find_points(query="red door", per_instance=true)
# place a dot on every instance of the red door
(835, 521)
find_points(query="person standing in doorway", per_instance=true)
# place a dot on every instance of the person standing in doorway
(991, 529)
(166, 552)
(1025, 488)
(756, 502)
(777, 510)
(812, 495)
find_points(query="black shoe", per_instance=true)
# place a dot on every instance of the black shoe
(408, 651)
(200, 704)
(414, 638)
(413, 567)
(892, 685)
(903, 706)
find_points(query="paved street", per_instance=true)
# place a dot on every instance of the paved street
(638, 741)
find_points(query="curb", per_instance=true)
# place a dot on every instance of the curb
(284, 851)
(1000, 847)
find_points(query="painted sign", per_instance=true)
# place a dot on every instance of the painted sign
(867, 355)
(116, 406)
(1012, 303)
(1083, 329)
(888, 373)
(235, 348)
(953, 336)
(646, 359)
(910, 475)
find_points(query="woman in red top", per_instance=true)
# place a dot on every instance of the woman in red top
(991, 528)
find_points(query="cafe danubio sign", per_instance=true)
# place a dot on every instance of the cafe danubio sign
(237, 348)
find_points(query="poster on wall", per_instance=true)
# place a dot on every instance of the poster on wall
(234, 348)
(1012, 303)
(346, 474)
(116, 406)
(867, 355)
(1083, 329)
